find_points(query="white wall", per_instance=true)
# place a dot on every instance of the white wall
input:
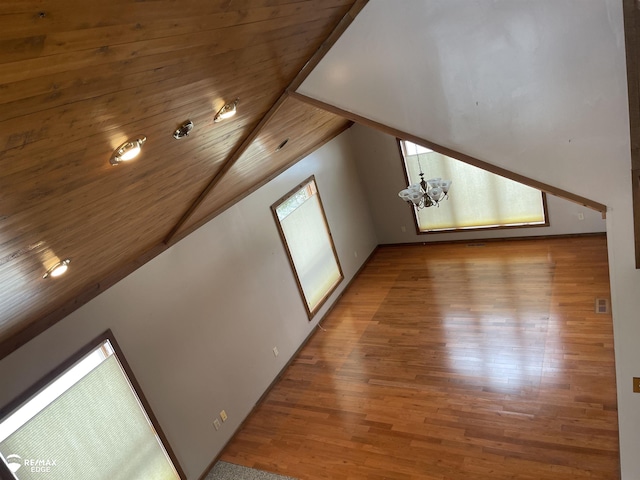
(379, 164)
(198, 323)
(538, 88)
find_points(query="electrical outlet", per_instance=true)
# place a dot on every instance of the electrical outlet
(581, 216)
(636, 384)
(216, 423)
(275, 351)
(403, 228)
(355, 254)
(223, 415)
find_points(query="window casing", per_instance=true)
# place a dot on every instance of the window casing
(477, 199)
(86, 419)
(305, 233)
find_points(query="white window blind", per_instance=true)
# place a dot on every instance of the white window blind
(477, 198)
(94, 427)
(308, 241)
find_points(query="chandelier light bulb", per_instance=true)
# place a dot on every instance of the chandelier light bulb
(427, 193)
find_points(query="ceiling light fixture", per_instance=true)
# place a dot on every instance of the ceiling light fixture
(128, 150)
(57, 269)
(184, 130)
(426, 193)
(228, 111)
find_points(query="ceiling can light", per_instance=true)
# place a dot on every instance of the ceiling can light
(128, 150)
(57, 269)
(228, 111)
(184, 130)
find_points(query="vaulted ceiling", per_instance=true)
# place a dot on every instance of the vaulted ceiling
(80, 78)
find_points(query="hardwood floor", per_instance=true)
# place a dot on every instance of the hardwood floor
(478, 361)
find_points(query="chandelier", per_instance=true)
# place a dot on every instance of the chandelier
(426, 193)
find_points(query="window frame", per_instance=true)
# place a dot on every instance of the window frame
(67, 364)
(311, 312)
(414, 211)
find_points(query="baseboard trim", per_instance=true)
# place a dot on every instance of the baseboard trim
(420, 243)
(311, 334)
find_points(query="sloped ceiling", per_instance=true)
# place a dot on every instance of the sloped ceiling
(295, 129)
(538, 88)
(77, 79)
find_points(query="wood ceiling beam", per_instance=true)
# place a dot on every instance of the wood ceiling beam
(333, 37)
(327, 44)
(455, 154)
(631, 14)
(183, 233)
(171, 238)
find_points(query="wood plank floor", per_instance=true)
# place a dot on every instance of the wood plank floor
(460, 361)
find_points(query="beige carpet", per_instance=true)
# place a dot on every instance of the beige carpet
(229, 471)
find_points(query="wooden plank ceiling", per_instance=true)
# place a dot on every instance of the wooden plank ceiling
(79, 78)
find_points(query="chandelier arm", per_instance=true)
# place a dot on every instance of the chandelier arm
(425, 193)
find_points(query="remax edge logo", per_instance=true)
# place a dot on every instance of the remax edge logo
(14, 462)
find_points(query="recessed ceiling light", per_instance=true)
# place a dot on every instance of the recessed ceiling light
(128, 150)
(57, 269)
(184, 130)
(228, 111)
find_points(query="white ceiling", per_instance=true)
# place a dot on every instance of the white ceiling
(524, 85)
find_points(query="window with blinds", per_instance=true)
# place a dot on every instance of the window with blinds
(86, 422)
(307, 239)
(477, 199)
